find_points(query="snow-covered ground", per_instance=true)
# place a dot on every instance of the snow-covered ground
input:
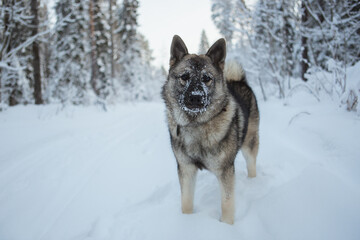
(82, 173)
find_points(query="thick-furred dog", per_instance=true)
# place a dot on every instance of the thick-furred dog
(212, 113)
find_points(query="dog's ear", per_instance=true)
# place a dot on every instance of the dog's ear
(217, 53)
(178, 50)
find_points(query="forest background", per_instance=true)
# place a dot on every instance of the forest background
(93, 53)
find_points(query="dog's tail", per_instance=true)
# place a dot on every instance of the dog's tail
(234, 72)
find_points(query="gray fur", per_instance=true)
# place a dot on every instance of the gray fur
(210, 118)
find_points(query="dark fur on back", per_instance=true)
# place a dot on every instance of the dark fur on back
(243, 95)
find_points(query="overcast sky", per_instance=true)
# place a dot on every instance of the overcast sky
(160, 19)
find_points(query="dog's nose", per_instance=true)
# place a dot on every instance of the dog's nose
(195, 101)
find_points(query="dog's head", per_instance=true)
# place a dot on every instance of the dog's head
(196, 82)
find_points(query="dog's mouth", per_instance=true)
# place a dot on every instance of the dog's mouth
(194, 102)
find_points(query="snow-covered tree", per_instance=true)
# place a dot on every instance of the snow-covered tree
(270, 52)
(36, 53)
(112, 5)
(332, 33)
(263, 38)
(45, 42)
(223, 17)
(127, 31)
(100, 54)
(135, 71)
(204, 43)
(280, 41)
(71, 73)
(16, 59)
(85, 57)
(333, 30)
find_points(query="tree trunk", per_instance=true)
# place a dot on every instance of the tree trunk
(93, 49)
(36, 56)
(262, 89)
(304, 44)
(111, 40)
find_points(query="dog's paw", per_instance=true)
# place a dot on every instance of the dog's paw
(252, 173)
(228, 220)
(187, 210)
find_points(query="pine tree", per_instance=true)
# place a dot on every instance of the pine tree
(100, 57)
(204, 43)
(72, 45)
(136, 75)
(130, 57)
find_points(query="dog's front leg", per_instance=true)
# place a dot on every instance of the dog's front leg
(187, 178)
(227, 182)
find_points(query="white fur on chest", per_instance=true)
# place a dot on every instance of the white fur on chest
(207, 135)
(201, 141)
(198, 144)
(202, 136)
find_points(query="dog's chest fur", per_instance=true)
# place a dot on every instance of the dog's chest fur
(206, 143)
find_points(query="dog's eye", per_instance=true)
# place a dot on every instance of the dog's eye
(206, 78)
(185, 76)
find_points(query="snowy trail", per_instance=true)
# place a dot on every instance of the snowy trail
(85, 174)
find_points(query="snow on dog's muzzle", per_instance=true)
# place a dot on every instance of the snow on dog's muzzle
(194, 99)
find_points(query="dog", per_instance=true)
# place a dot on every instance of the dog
(212, 113)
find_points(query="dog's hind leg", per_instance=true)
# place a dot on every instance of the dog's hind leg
(187, 178)
(227, 182)
(250, 150)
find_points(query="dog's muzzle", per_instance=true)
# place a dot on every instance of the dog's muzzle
(194, 99)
